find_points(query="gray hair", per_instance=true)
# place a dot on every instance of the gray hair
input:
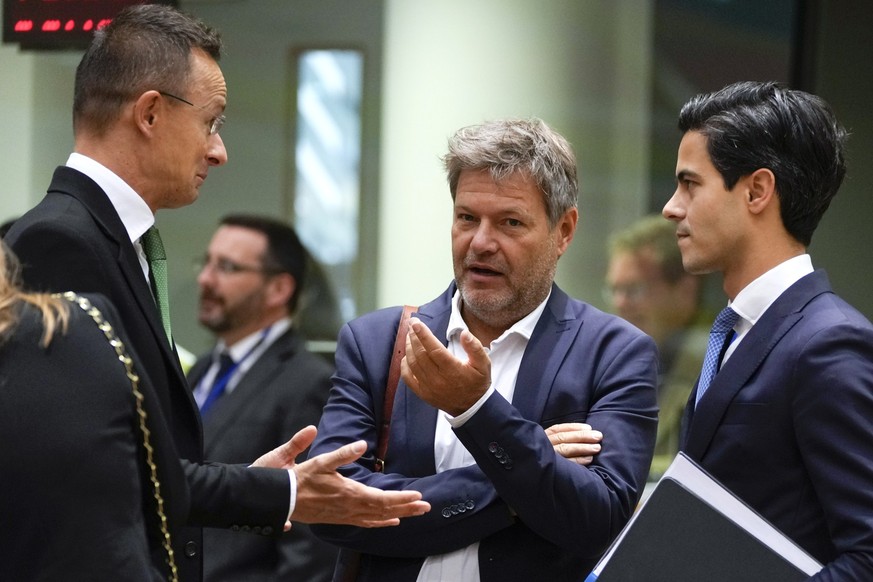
(509, 146)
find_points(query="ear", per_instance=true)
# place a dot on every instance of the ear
(761, 193)
(280, 288)
(147, 110)
(566, 228)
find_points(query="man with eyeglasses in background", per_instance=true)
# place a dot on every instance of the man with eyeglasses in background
(148, 105)
(647, 285)
(259, 385)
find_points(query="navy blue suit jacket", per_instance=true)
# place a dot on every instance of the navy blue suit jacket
(537, 515)
(787, 425)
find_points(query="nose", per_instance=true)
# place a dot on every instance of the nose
(673, 211)
(217, 153)
(484, 240)
(205, 276)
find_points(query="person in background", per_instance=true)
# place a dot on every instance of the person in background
(784, 422)
(647, 285)
(271, 386)
(148, 107)
(501, 372)
(78, 497)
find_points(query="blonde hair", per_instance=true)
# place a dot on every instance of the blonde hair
(55, 311)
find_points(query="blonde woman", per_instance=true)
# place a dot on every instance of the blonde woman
(79, 477)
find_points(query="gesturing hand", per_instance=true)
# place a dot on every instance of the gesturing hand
(325, 496)
(438, 377)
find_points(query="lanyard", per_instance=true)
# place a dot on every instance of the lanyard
(219, 384)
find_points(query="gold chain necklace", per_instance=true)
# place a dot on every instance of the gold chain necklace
(125, 359)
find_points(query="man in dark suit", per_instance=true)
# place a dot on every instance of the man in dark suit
(786, 422)
(149, 97)
(493, 367)
(250, 285)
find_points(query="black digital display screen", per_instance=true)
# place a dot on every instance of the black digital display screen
(59, 24)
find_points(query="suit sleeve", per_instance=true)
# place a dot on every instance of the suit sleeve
(575, 507)
(833, 411)
(350, 415)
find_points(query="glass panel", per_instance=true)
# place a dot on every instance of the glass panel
(327, 169)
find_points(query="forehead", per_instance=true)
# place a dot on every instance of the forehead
(518, 189)
(633, 265)
(207, 80)
(693, 153)
(237, 241)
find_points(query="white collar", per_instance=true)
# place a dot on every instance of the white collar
(134, 213)
(523, 327)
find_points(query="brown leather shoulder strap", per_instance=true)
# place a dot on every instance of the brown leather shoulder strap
(391, 386)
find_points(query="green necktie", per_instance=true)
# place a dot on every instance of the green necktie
(157, 258)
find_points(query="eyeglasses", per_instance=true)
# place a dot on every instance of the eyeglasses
(217, 122)
(227, 267)
(632, 292)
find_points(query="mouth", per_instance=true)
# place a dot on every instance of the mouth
(482, 270)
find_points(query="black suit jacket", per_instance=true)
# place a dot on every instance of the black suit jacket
(281, 393)
(787, 425)
(77, 502)
(74, 240)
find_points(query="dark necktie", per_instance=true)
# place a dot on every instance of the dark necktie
(719, 336)
(157, 259)
(226, 367)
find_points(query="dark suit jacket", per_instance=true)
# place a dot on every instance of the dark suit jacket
(74, 240)
(77, 502)
(787, 425)
(281, 393)
(580, 365)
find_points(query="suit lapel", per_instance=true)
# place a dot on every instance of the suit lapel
(226, 409)
(548, 345)
(421, 418)
(97, 203)
(750, 354)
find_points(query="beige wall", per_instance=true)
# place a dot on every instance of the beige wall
(581, 66)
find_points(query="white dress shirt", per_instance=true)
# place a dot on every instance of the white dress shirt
(245, 353)
(506, 353)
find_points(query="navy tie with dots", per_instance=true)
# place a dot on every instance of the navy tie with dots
(722, 329)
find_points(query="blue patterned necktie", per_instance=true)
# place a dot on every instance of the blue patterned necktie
(722, 329)
(157, 259)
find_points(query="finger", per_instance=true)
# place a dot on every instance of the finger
(567, 427)
(342, 456)
(569, 451)
(476, 354)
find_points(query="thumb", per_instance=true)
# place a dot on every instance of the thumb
(301, 440)
(476, 354)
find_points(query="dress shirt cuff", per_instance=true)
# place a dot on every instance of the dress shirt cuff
(292, 502)
(458, 421)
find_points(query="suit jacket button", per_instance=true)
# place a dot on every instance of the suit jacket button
(246, 528)
(493, 447)
(267, 530)
(447, 512)
(234, 527)
(470, 504)
(191, 549)
(256, 529)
